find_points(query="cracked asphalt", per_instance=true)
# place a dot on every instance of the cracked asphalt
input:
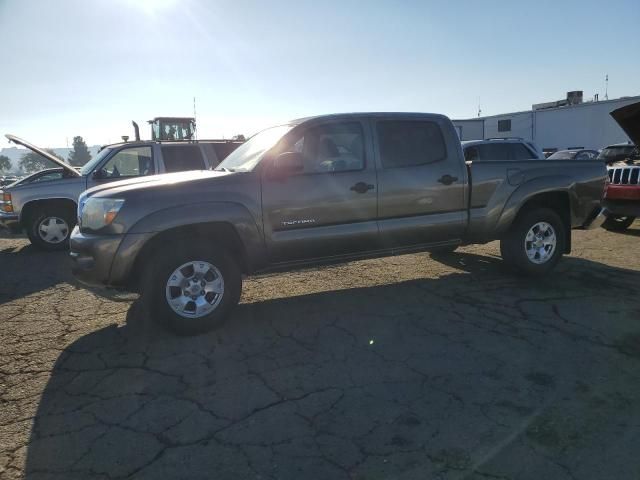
(407, 367)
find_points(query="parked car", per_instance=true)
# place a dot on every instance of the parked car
(622, 195)
(323, 189)
(500, 149)
(44, 204)
(574, 154)
(8, 180)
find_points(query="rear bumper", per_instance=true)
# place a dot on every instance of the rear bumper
(10, 221)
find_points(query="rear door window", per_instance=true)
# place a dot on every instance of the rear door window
(182, 158)
(410, 143)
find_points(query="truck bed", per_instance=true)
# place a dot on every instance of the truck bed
(497, 188)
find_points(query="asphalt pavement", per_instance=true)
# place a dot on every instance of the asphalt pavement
(410, 367)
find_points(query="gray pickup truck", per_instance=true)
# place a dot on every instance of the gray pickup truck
(323, 189)
(44, 205)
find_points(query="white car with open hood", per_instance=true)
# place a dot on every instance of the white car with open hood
(46, 210)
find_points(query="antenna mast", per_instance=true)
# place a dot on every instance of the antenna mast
(606, 87)
(479, 109)
(195, 124)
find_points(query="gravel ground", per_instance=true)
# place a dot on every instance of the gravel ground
(408, 367)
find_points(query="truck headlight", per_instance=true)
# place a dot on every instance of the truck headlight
(96, 213)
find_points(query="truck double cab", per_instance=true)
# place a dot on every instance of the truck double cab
(622, 195)
(323, 189)
(44, 205)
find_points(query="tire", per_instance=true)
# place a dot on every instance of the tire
(161, 267)
(617, 223)
(49, 229)
(516, 249)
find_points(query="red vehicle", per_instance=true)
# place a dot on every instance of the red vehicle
(622, 195)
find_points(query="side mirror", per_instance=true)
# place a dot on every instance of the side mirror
(99, 174)
(287, 164)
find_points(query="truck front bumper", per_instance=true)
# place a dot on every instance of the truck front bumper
(10, 221)
(92, 256)
(105, 260)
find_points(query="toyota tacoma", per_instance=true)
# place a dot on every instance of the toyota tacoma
(323, 189)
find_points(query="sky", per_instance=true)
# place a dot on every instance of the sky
(76, 67)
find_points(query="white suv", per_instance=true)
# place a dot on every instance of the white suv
(500, 149)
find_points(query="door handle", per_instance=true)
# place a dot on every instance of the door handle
(447, 179)
(361, 187)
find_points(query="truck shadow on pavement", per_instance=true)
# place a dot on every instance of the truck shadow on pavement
(29, 270)
(469, 375)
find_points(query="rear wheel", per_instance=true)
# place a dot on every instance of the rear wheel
(49, 229)
(535, 242)
(191, 291)
(618, 223)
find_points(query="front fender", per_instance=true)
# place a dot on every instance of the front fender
(231, 213)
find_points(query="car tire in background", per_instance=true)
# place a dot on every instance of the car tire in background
(50, 228)
(535, 242)
(189, 288)
(617, 223)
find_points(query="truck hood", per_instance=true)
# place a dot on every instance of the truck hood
(629, 120)
(43, 153)
(152, 181)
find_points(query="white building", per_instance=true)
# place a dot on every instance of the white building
(554, 126)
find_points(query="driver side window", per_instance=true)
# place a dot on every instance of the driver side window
(336, 147)
(129, 162)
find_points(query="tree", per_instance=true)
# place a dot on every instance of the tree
(5, 163)
(32, 162)
(80, 153)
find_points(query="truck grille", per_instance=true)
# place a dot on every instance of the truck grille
(624, 175)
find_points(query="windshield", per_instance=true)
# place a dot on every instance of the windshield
(90, 165)
(563, 155)
(246, 156)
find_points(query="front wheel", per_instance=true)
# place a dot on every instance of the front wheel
(50, 229)
(193, 291)
(535, 242)
(617, 223)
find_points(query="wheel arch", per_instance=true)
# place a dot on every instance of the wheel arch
(32, 206)
(216, 232)
(557, 200)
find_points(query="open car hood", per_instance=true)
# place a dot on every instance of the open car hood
(629, 120)
(43, 153)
